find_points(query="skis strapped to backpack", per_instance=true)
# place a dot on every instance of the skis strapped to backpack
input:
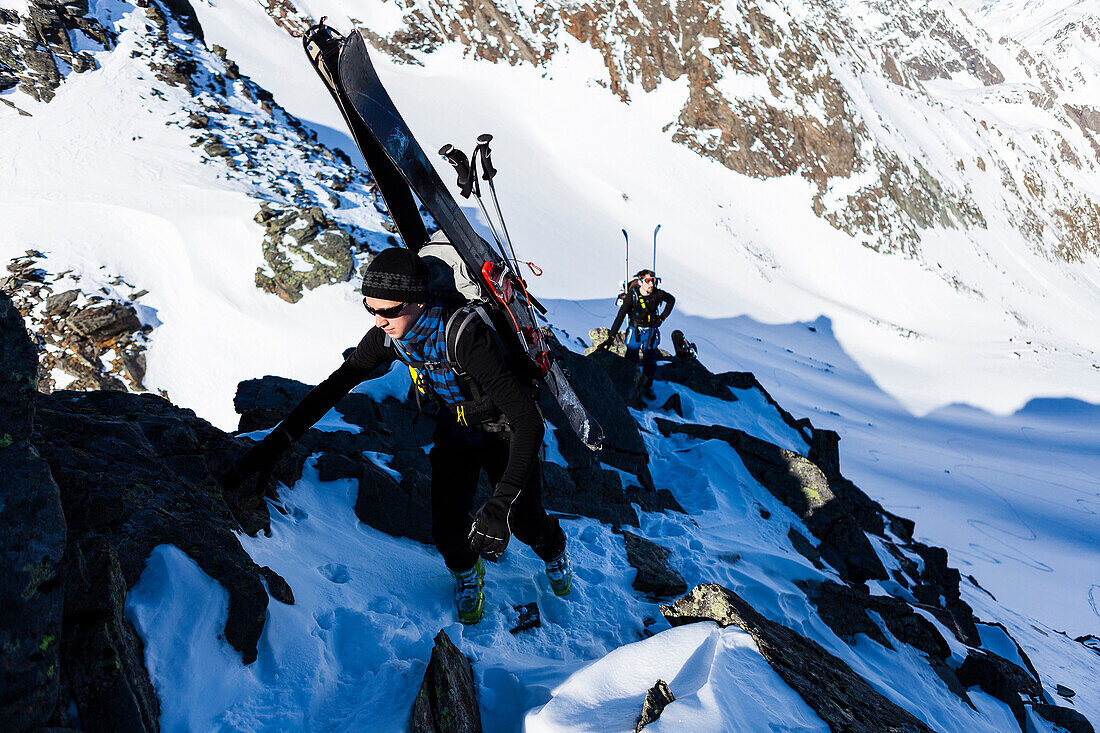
(401, 169)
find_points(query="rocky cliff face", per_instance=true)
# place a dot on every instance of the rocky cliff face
(828, 91)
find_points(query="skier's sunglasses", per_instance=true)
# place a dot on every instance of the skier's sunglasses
(392, 312)
(651, 280)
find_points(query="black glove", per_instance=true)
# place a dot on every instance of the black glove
(259, 460)
(492, 527)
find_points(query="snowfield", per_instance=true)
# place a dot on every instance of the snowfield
(974, 411)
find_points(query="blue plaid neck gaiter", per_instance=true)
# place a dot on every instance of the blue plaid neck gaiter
(426, 341)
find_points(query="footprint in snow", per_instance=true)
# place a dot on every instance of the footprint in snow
(335, 572)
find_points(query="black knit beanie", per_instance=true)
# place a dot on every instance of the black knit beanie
(396, 274)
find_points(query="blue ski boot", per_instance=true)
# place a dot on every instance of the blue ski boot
(470, 593)
(559, 572)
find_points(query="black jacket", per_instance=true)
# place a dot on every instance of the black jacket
(478, 354)
(644, 310)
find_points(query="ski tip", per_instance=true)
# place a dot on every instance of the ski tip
(594, 442)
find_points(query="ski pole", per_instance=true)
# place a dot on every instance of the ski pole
(655, 249)
(627, 280)
(457, 158)
(488, 172)
(467, 183)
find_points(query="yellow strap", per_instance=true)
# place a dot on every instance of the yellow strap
(417, 381)
(461, 415)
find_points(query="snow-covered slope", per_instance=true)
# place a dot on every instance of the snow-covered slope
(351, 650)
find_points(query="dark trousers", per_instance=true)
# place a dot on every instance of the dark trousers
(458, 457)
(645, 339)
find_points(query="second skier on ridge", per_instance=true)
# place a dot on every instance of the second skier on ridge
(646, 307)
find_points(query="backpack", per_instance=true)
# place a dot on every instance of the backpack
(451, 282)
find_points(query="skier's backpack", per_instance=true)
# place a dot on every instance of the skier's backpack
(452, 283)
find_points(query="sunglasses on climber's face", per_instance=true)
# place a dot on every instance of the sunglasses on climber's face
(651, 280)
(391, 312)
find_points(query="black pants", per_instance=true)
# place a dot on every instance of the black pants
(458, 457)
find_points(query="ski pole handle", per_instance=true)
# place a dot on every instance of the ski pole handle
(488, 171)
(461, 164)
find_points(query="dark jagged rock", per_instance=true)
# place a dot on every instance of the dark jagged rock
(447, 701)
(31, 543)
(937, 590)
(673, 404)
(18, 376)
(277, 586)
(844, 610)
(802, 487)
(130, 473)
(399, 508)
(1090, 641)
(135, 472)
(527, 617)
(696, 377)
(1064, 691)
(827, 684)
(623, 445)
(1019, 649)
(654, 576)
(185, 15)
(262, 403)
(656, 700)
(101, 322)
(1001, 679)
(102, 654)
(585, 487)
(805, 548)
(1065, 718)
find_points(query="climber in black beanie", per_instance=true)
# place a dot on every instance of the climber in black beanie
(486, 418)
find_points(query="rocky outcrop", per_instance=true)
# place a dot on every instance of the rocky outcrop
(134, 473)
(37, 57)
(303, 250)
(654, 576)
(86, 340)
(657, 698)
(838, 695)
(803, 487)
(1066, 719)
(94, 481)
(585, 487)
(391, 428)
(845, 610)
(996, 676)
(447, 701)
(31, 544)
(401, 508)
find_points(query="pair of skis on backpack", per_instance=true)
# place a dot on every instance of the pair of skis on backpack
(401, 169)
